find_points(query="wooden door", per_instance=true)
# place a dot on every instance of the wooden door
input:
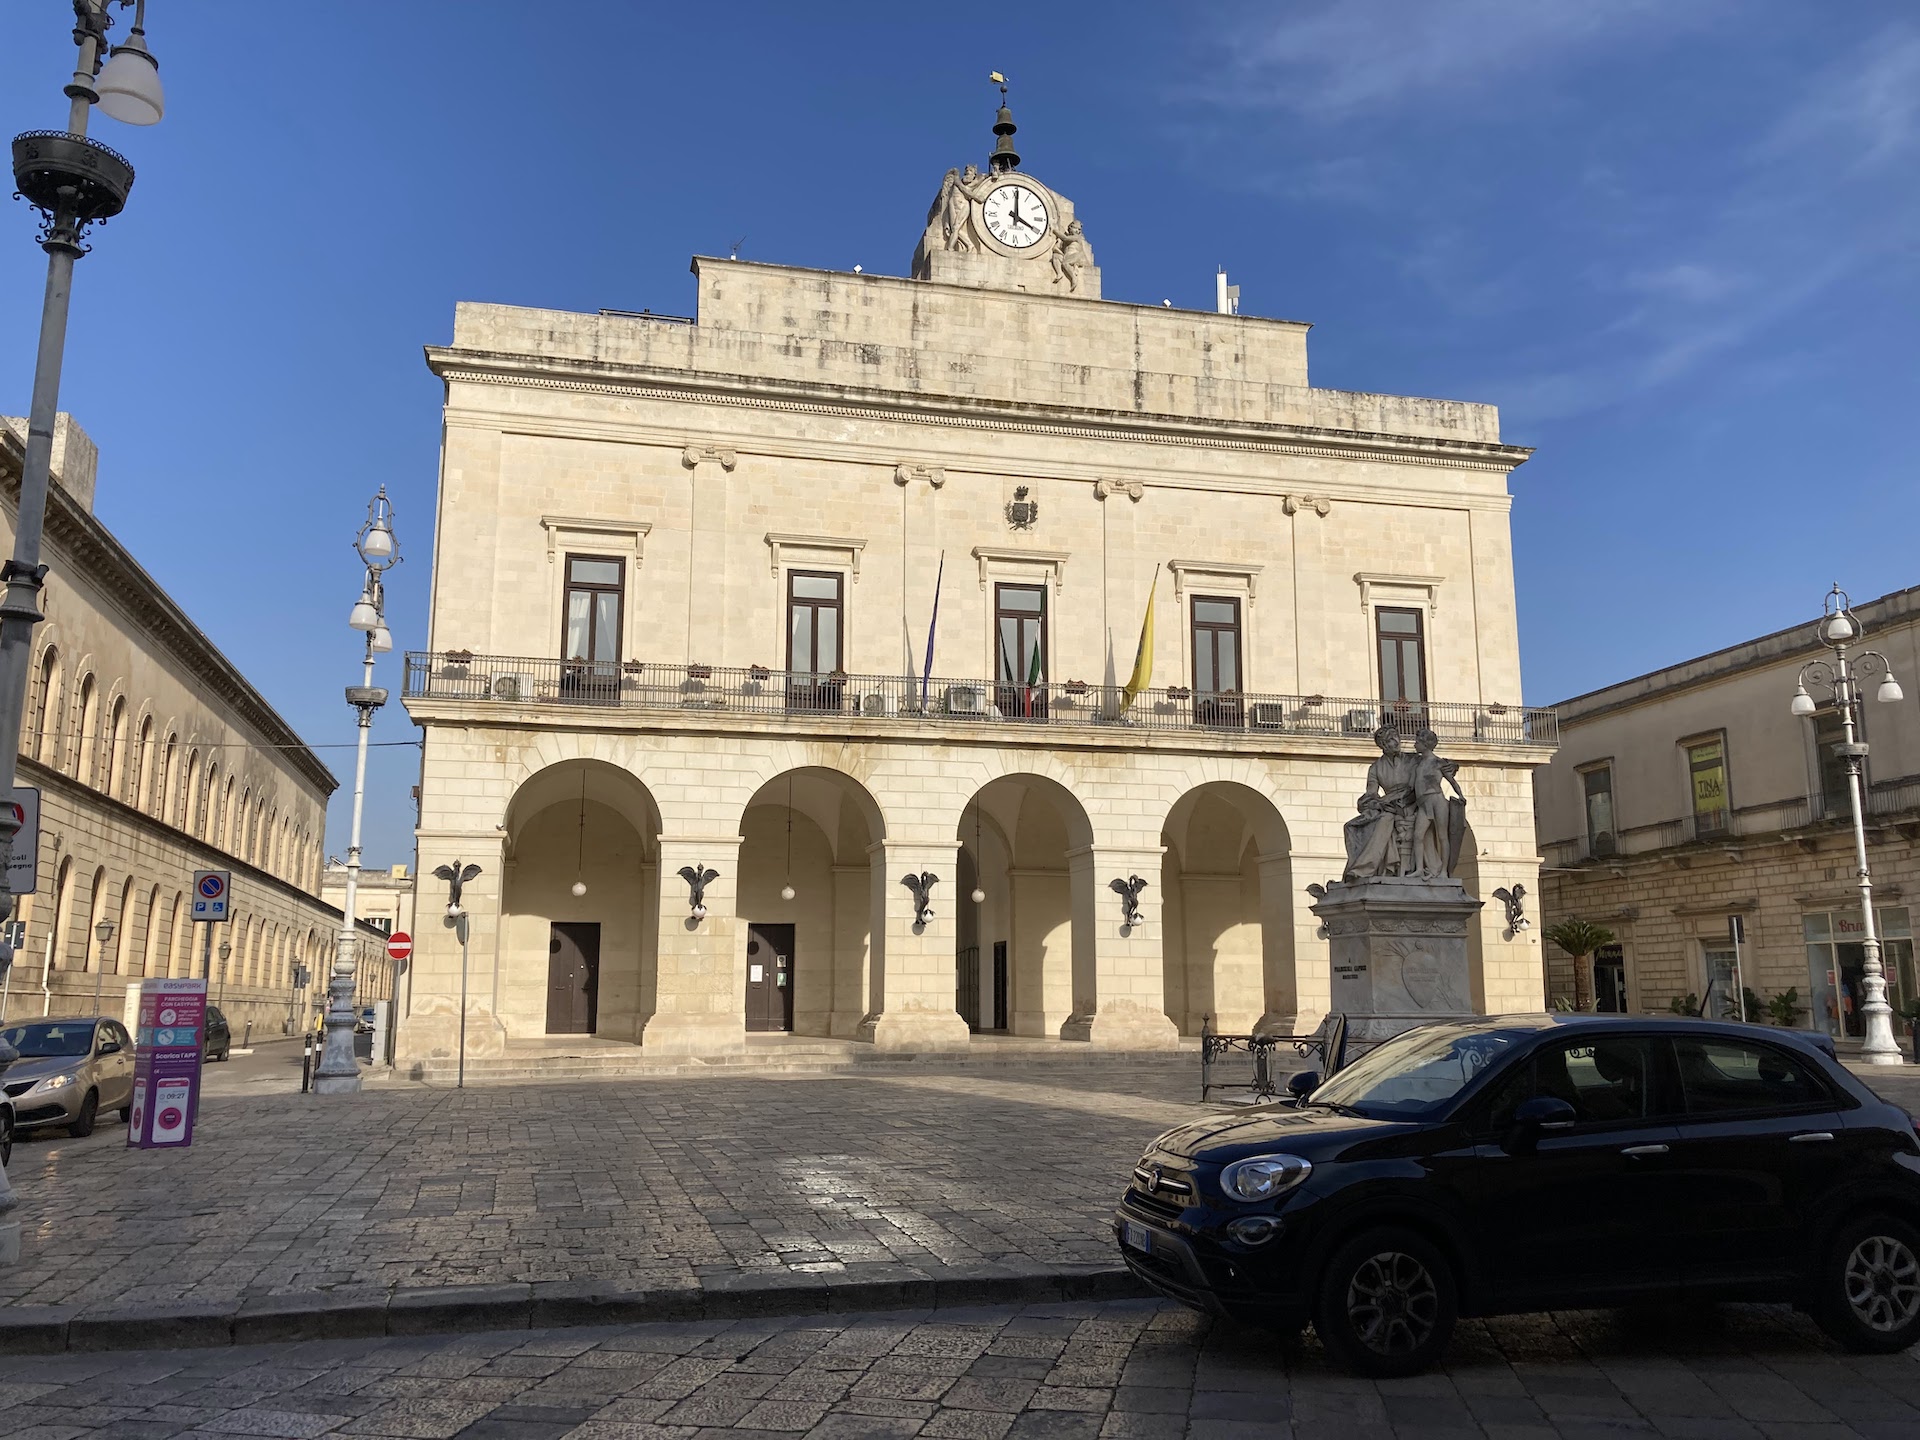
(770, 977)
(573, 978)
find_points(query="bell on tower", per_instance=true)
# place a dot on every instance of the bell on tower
(1004, 229)
(1004, 157)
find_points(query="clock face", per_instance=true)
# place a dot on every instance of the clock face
(1016, 216)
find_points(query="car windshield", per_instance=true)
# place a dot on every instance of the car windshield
(1416, 1075)
(48, 1039)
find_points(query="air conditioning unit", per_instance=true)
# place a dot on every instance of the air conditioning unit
(1358, 722)
(1268, 715)
(878, 702)
(512, 685)
(966, 699)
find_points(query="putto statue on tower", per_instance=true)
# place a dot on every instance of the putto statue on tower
(1001, 229)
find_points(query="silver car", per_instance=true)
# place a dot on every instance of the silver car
(68, 1072)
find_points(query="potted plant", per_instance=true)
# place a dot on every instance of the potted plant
(1784, 1009)
(1910, 1012)
(1076, 687)
(634, 667)
(1179, 692)
(1580, 938)
(699, 672)
(758, 672)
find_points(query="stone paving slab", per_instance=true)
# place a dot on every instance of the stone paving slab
(629, 1186)
(1135, 1370)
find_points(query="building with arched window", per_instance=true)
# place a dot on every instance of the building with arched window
(911, 658)
(133, 720)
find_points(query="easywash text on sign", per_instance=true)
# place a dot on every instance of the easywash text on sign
(166, 1066)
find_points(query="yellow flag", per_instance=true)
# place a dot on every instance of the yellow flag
(1142, 675)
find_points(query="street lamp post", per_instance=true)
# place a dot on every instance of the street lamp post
(1842, 677)
(74, 183)
(379, 551)
(457, 875)
(226, 954)
(103, 932)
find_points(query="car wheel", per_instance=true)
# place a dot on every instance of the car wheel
(1386, 1304)
(82, 1124)
(1867, 1294)
(6, 1140)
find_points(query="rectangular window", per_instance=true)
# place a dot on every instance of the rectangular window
(1216, 660)
(814, 636)
(1827, 733)
(596, 590)
(1707, 776)
(1403, 659)
(1597, 788)
(1020, 644)
(1729, 1077)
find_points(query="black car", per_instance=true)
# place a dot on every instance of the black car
(216, 1040)
(1541, 1162)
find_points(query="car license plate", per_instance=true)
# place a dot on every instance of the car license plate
(1136, 1237)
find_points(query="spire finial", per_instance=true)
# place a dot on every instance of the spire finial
(1004, 156)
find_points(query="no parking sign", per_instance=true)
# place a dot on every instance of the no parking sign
(212, 889)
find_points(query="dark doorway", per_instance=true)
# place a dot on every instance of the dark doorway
(573, 978)
(1000, 985)
(966, 998)
(769, 977)
(1610, 980)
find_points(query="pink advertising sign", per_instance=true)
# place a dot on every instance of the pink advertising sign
(166, 1066)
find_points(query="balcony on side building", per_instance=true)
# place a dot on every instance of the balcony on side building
(1893, 801)
(893, 704)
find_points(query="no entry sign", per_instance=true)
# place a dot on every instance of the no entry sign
(400, 945)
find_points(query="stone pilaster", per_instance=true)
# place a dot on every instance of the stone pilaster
(712, 507)
(700, 964)
(1119, 985)
(912, 994)
(431, 1029)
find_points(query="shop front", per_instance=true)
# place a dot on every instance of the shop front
(1836, 966)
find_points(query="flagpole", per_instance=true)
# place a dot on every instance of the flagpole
(933, 623)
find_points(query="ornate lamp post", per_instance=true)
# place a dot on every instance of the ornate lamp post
(1842, 677)
(103, 932)
(339, 1071)
(74, 183)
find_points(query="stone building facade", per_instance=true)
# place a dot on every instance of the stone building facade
(153, 757)
(1690, 795)
(744, 625)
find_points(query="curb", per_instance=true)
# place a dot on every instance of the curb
(448, 1309)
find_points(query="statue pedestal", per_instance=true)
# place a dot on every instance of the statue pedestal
(1398, 952)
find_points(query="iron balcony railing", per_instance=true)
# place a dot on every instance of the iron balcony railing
(1886, 801)
(906, 700)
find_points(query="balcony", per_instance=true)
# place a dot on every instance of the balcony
(1896, 799)
(896, 702)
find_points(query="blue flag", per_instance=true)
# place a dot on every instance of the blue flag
(926, 674)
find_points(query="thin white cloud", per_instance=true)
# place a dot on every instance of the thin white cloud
(1331, 59)
(1865, 111)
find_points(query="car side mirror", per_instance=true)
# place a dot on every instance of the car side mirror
(1302, 1084)
(109, 1047)
(1536, 1115)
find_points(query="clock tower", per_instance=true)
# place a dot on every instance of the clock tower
(1001, 229)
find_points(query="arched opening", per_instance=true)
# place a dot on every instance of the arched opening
(46, 722)
(1226, 893)
(150, 961)
(1025, 951)
(87, 715)
(123, 931)
(115, 740)
(579, 893)
(96, 912)
(140, 767)
(63, 892)
(806, 902)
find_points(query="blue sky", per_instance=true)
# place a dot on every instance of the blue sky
(1674, 243)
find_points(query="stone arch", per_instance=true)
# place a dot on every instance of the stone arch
(123, 930)
(49, 698)
(810, 839)
(113, 741)
(1034, 930)
(96, 912)
(86, 725)
(150, 961)
(140, 767)
(578, 822)
(1226, 902)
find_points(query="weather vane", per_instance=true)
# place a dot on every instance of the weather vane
(1000, 80)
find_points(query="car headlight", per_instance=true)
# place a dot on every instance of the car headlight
(1265, 1177)
(54, 1082)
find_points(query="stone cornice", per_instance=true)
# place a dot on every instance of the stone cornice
(109, 567)
(206, 855)
(852, 402)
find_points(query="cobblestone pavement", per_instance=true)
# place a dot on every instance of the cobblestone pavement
(1135, 1370)
(639, 1183)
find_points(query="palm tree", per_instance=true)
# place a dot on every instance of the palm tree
(1579, 938)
